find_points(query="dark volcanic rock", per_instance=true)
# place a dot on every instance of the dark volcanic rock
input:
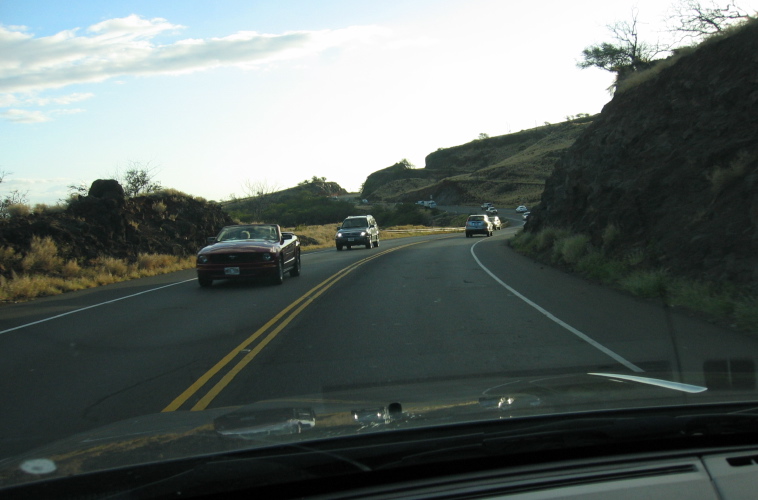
(105, 224)
(672, 163)
(106, 188)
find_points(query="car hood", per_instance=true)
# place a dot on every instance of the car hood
(239, 246)
(338, 413)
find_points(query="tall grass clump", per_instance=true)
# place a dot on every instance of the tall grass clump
(8, 258)
(42, 256)
(546, 238)
(522, 241)
(71, 269)
(598, 267)
(702, 297)
(746, 314)
(26, 287)
(18, 210)
(646, 283)
(571, 249)
(152, 262)
(611, 235)
(112, 265)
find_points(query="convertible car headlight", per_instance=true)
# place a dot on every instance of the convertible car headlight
(202, 259)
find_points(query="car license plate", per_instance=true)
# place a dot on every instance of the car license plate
(351, 239)
(232, 271)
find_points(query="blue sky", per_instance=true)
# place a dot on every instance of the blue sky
(213, 95)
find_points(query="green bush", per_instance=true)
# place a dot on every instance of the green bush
(746, 314)
(646, 283)
(571, 248)
(546, 239)
(598, 267)
(611, 235)
(702, 297)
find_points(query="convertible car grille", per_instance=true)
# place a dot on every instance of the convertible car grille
(235, 258)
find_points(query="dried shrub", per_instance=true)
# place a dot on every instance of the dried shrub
(42, 256)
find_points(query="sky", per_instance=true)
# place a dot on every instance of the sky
(214, 96)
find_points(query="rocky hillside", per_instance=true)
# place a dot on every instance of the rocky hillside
(671, 166)
(508, 170)
(105, 223)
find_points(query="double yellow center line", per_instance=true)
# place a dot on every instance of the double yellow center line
(281, 320)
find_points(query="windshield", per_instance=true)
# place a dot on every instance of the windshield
(354, 223)
(149, 151)
(239, 233)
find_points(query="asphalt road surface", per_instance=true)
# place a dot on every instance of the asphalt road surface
(424, 308)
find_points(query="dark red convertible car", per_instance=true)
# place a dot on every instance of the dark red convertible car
(249, 251)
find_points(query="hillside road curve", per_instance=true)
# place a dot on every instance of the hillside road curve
(435, 307)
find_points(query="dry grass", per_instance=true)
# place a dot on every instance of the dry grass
(41, 271)
(42, 257)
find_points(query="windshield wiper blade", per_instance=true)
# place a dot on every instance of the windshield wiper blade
(666, 384)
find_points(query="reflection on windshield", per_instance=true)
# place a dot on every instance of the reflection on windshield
(355, 223)
(246, 233)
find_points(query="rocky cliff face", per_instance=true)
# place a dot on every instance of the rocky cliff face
(673, 164)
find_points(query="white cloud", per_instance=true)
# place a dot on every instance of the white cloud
(61, 100)
(125, 46)
(25, 116)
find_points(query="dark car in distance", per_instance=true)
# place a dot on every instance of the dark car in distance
(357, 230)
(249, 251)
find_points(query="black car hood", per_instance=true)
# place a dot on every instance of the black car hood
(347, 412)
(239, 246)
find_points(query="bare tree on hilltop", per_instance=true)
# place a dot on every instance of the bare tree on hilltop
(627, 53)
(138, 179)
(11, 199)
(693, 19)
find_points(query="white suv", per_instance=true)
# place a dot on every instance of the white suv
(478, 224)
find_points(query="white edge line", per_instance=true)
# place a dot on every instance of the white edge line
(560, 322)
(92, 306)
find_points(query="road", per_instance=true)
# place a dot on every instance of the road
(434, 307)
